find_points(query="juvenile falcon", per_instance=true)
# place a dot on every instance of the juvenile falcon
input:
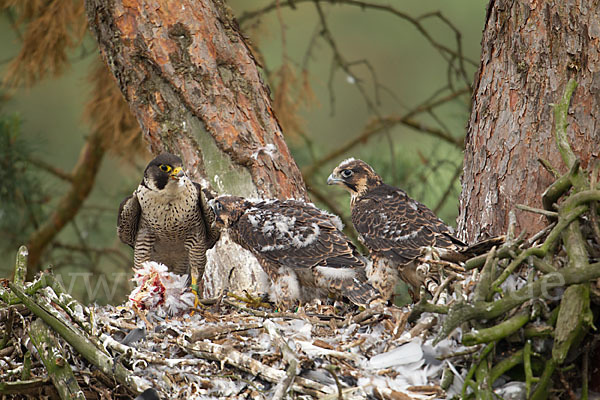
(300, 247)
(395, 228)
(167, 219)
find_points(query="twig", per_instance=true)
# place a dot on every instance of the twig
(482, 289)
(23, 387)
(529, 378)
(446, 53)
(541, 391)
(451, 276)
(529, 242)
(546, 164)
(424, 306)
(469, 378)
(264, 314)
(288, 355)
(216, 352)
(21, 266)
(81, 344)
(468, 351)
(550, 214)
(495, 333)
(286, 351)
(340, 61)
(219, 330)
(65, 176)
(331, 369)
(286, 382)
(585, 373)
(563, 222)
(594, 204)
(501, 253)
(506, 364)
(449, 188)
(559, 187)
(542, 265)
(463, 312)
(560, 124)
(134, 354)
(381, 124)
(54, 360)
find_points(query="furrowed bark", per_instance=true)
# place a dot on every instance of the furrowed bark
(194, 86)
(530, 50)
(190, 79)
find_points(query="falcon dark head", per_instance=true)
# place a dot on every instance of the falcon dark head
(227, 209)
(355, 176)
(161, 171)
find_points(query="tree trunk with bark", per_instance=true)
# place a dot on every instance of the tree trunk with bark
(189, 77)
(530, 50)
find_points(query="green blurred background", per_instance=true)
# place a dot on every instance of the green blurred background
(45, 122)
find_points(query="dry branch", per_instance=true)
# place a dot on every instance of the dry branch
(54, 360)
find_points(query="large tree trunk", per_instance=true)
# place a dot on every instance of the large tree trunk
(530, 50)
(193, 84)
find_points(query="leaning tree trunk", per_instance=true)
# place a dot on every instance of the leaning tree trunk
(530, 50)
(194, 86)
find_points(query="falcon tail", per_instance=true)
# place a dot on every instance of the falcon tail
(482, 247)
(361, 294)
(347, 282)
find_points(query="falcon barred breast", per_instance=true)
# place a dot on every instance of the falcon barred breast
(300, 247)
(167, 219)
(395, 228)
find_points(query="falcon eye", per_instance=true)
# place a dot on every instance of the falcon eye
(347, 173)
(218, 206)
(165, 167)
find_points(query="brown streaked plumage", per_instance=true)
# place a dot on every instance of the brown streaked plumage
(300, 247)
(167, 219)
(395, 228)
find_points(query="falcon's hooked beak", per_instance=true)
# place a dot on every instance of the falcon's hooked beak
(333, 180)
(177, 173)
(217, 208)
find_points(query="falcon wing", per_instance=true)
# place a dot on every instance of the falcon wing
(208, 216)
(128, 219)
(394, 226)
(294, 234)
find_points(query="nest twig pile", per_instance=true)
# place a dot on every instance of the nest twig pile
(224, 350)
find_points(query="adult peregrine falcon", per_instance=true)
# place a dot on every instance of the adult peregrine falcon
(395, 228)
(300, 247)
(167, 219)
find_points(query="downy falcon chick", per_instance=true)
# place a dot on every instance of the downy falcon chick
(167, 219)
(395, 228)
(300, 247)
